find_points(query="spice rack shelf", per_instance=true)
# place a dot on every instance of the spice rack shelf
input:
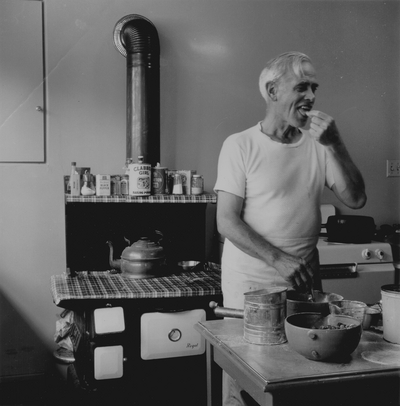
(203, 198)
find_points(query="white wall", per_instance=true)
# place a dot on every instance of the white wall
(212, 52)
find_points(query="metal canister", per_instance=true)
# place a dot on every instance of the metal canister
(159, 180)
(197, 185)
(264, 316)
(139, 178)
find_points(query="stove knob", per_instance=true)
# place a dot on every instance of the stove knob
(366, 254)
(379, 253)
(175, 335)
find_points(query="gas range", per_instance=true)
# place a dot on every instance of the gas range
(355, 271)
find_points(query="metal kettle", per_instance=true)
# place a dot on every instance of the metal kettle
(142, 259)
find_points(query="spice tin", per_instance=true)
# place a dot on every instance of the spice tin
(125, 185)
(197, 186)
(159, 180)
(103, 185)
(139, 178)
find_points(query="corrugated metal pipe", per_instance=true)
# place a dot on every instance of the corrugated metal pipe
(136, 38)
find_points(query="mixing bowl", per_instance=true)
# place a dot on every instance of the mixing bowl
(297, 302)
(321, 338)
(352, 308)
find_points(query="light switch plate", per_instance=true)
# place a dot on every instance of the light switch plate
(392, 168)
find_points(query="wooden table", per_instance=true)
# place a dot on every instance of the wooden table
(277, 375)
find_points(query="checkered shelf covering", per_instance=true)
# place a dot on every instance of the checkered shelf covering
(204, 198)
(105, 285)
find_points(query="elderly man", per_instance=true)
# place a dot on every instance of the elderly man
(270, 182)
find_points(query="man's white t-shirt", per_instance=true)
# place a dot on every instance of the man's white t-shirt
(282, 186)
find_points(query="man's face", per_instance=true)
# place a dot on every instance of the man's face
(296, 96)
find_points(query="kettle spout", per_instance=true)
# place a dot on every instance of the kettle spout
(114, 263)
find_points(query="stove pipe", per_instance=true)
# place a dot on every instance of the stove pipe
(136, 38)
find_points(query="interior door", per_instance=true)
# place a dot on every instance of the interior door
(22, 118)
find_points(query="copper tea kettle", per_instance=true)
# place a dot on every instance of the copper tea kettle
(143, 259)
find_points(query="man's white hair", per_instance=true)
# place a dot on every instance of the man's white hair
(279, 66)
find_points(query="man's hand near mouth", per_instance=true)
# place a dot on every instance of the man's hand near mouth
(323, 128)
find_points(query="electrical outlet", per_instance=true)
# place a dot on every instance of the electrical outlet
(392, 168)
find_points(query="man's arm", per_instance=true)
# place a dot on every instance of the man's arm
(230, 224)
(349, 185)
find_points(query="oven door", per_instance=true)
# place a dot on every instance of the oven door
(167, 335)
(364, 285)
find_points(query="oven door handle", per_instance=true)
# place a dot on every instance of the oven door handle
(338, 271)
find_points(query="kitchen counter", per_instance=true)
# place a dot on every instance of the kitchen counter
(86, 286)
(276, 375)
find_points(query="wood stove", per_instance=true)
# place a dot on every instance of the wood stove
(136, 336)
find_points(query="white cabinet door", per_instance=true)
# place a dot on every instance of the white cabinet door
(22, 112)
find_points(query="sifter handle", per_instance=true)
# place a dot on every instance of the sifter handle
(226, 311)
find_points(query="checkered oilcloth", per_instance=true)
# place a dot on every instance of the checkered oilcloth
(204, 198)
(103, 285)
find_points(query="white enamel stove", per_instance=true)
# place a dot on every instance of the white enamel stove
(355, 271)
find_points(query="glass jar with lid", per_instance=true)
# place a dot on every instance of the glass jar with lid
(197, 185)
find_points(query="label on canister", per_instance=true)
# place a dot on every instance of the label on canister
(159, 180)
(139, 179)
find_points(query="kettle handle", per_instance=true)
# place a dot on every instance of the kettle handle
(160, 234)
